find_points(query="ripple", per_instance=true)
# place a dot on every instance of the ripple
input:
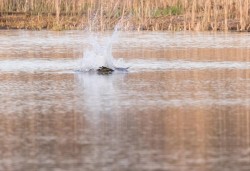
(38, 65)
(142, 65)
(64, 65)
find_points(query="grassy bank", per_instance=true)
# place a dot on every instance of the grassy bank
(200, 15)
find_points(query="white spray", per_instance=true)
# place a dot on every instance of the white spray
(100, 53)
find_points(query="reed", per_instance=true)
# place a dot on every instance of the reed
(139, 14)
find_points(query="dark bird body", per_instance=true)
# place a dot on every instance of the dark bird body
(104, 70)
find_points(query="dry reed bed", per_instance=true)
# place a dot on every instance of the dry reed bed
(197, 15)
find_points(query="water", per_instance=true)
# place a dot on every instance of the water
(183, 105)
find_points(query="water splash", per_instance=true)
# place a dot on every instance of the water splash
(99, 53)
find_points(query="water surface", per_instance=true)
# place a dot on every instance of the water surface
(183, 105)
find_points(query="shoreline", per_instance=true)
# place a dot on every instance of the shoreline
(76, 22)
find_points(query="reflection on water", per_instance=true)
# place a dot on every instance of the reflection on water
(102, 92)
(167, 113)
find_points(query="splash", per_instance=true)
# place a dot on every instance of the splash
(99, 53)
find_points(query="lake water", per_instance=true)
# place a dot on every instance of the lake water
(183, 105)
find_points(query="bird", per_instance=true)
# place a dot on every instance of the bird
(104, 70)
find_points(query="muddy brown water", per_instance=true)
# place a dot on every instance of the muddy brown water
(183, 105)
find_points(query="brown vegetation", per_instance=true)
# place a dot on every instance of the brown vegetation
(198, 15)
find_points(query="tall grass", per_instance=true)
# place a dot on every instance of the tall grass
(142, 14)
